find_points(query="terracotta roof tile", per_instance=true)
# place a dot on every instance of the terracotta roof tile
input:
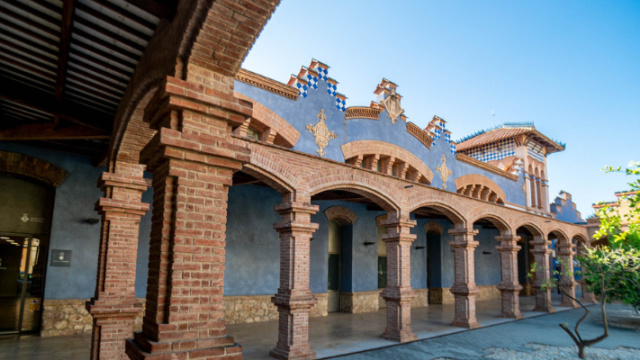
(506, 133)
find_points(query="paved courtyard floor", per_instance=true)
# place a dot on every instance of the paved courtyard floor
(339, 334)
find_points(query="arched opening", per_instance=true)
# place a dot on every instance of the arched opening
(488, 264)
(432, 257)
(525, 260)
(535, 249)
(26, 207)
(434, 232)
(355, 250)
(252, 250)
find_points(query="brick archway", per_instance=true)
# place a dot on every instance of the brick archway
(341, 214)
(30, 167)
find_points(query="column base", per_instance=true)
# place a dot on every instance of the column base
(510, 301)
(299, 353)
(465, 307)
(401, 337)
(398, 302)
(141, 348)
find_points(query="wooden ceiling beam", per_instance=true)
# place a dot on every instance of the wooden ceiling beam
(65, 44)
(28, 22)
(98, 76)
(128, 62)
(29, 69)
(115, 23)
(124, 74)
(163, 9)
(109, 34)
(28, 45)
(126, 14)
(106, 44)
(48, 131)
(27, 33)
(26, 96)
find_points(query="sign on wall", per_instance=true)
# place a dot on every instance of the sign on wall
(60, 257)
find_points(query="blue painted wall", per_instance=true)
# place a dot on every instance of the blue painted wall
(566, 212)
(74, 202)
(487, 258)
(304, 111)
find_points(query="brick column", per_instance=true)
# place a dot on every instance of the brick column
(294, 299)
(567, 282)
(509, 286)
(192, 160)
(464, 287)
(398, 294)
(114, 305)
(541, 253)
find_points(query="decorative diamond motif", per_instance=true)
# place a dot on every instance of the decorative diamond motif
(321, 133)
(445, 172)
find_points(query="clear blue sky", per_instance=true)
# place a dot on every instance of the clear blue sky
(570, 67)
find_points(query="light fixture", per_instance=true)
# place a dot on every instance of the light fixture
(408, 186)
(367, 243)
(92, 221)
(420, 247)
(4, 238)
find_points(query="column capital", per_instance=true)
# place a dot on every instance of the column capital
(463, 232)
(508, 243)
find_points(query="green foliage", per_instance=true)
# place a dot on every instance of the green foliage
(619, 260)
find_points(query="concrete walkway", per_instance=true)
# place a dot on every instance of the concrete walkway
(518, 340)
(339, 334)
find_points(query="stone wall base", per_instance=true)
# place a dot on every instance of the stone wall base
(359, 302)
(70, 317)
(443, 296)
(258, 308)
(421, 299)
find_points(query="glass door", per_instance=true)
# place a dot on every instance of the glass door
(22, 266)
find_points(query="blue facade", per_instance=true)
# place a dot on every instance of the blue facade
(74, 203)
(302, 112)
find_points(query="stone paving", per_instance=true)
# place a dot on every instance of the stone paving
(533, 338)
(536, 337)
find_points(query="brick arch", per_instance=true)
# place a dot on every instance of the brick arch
(459, 220)
(433, 226)
(480, 187)
(278, 130)
(30, 167)
(127, 144)
(375, 147)
(225, 34)
(581, 238)
(496, 220)
(280, 174)
(341, 214)
(561, 234)
(368, 185)
(534, 229)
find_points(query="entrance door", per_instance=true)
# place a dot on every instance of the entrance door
(22, 266)
(334, 271)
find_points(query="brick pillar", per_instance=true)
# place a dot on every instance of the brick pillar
(192, 160)
(464, 287)
(509, 286)
(567, 282)
(114, 305)
(398, 294)
(541, 253)
(294, 299)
